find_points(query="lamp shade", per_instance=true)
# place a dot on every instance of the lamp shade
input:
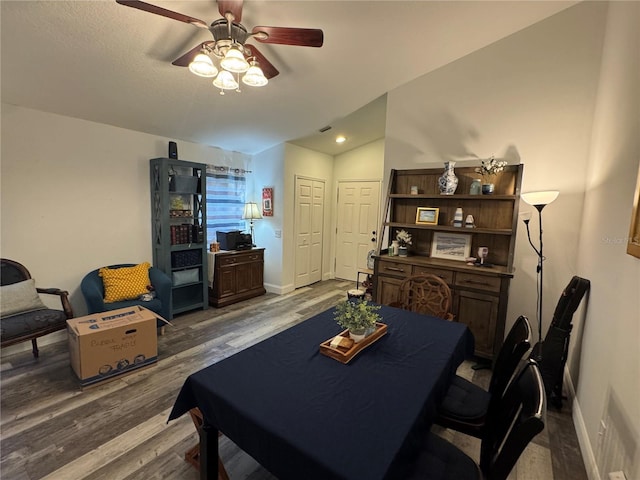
(540, 199)
(234, 61)
(203, 66)
(225, 81)
(254, 77)
(251, 211)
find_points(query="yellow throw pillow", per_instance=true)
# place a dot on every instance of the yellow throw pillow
(125, 283)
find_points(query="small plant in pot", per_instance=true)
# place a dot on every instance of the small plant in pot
(404, 239)
(489, 169)
(358, 316)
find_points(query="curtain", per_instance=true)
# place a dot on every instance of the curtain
(226, 188)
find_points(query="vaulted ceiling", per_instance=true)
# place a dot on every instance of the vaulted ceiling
(108, 63)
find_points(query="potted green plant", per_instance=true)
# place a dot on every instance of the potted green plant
(489, 169)
(358, 316)
(404, 238)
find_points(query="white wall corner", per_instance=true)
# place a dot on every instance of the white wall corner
(279, 289)
(588, 456)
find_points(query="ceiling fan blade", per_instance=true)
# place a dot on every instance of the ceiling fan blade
(147, 7)
(304, 37)
(267, 67)
(232, 6)
(188, 57)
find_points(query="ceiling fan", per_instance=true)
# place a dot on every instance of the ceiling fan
(229, 45)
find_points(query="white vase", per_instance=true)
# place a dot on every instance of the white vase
(457, 218)
(448, 182)
(393, 249)
(357, 335)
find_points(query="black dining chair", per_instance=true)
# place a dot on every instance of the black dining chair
(466, 405)
(520, 416)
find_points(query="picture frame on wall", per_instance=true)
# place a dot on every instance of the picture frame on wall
(427, 215)
(451, 246)
(267, 202)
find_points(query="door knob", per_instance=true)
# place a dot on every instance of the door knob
(373, 233)
(373, 239)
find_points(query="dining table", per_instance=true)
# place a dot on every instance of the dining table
(304, 415)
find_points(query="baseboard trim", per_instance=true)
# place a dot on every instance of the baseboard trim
(278, 289)
(588, 456)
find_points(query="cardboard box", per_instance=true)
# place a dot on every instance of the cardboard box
(108, 344)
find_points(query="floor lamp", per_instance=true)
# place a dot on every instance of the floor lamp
(251, 213)
(539, 200)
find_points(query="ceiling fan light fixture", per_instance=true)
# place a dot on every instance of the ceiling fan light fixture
(228, 47)
(203, 66)
(254, 76)
(225, 81)
(234, 61)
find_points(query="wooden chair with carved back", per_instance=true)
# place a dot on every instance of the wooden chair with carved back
(427, 294)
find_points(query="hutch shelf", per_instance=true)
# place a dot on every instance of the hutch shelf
(178, 214)
(480, 293)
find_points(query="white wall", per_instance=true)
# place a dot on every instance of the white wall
(75, 194)
(267, 168)
(362, 163)
(528, 98)
(562, 97)
(608, 385)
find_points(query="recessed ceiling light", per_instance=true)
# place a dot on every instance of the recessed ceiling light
(341, 139)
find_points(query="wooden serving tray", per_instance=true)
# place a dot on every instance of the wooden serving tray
(346, 356)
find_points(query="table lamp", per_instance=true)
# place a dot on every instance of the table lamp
(539, 200)
(251, 213)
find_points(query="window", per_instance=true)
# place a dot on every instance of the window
(225, 200)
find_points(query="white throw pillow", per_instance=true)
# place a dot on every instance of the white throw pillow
(19, 297)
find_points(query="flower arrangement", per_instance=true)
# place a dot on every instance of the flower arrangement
(490, 168)
(356, 314)
(404, 238)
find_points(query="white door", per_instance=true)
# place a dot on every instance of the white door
(358, 216)
(309, 219)
(317, 220)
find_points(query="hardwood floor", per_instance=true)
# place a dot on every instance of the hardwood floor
(50, 429)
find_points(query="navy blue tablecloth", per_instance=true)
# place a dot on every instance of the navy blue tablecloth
(301, 414)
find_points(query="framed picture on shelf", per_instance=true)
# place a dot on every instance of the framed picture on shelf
(427, 215)
(451, 246)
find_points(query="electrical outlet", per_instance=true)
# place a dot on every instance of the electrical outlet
(617, 476)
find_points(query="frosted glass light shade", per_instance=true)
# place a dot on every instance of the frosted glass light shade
(540, 199)
(203, 66)
(234, 61)
(254, 77)
(251, 211)
(225, 81)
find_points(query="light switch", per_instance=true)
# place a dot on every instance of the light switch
(278, 233)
